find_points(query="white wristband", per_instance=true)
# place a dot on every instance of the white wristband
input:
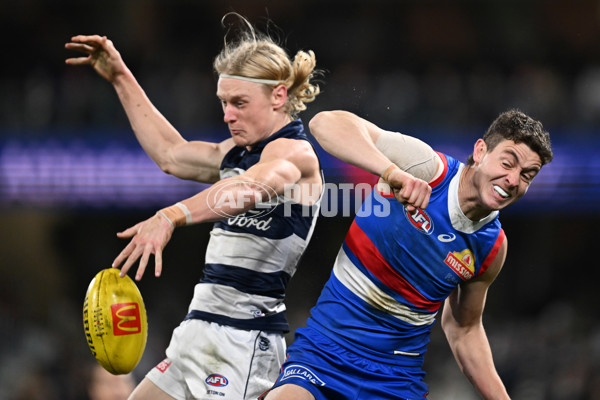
(167, 218)
(186, 211)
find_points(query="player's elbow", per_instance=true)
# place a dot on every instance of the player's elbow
(448, 324)
(169, 164)
(324, 127)
(453, 332)
(324, 122)
(177, 171)
(316, 124)
(454, 329)
(167, 167)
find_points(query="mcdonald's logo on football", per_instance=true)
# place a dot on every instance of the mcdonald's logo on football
(126, 319)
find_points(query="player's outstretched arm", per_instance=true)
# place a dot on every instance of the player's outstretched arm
(388, 154)
(284, 162)
(160, 140)
(362, 143)
(351, 139)
(99, 53)
(463, 326)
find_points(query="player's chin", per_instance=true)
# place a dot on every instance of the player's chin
(237, 134)
(239, 140)
(497, 202)
(502, 203)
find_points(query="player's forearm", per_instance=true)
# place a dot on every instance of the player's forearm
(473, 354)
(227, 198)
(231, 197)
(155, 134)
(347, 137)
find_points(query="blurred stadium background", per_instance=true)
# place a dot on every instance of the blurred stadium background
(72, 175)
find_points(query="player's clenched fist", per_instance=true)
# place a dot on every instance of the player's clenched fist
(101, 55)
(412, 192)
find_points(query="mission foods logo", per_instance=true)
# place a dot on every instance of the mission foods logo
(462, 263)
(126, 319)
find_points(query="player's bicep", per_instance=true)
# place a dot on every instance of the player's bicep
(275, 172)
(467, 302)
(198, 160)
(410, 154)
(284, 162)
(274, 176)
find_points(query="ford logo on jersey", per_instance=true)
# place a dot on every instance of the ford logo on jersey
(420, 220)
(216, 380)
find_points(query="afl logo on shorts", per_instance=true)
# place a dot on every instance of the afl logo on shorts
(420, 220)
(216, 380)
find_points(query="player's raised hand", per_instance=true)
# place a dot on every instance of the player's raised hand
(412, 192)
(100, 54)
(148, 237)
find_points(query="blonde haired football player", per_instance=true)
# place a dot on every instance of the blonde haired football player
(231, 343)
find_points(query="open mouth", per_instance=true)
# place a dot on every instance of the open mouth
(501, 192)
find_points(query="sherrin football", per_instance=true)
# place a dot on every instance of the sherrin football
(114, 321)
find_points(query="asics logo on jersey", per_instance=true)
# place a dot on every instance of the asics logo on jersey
(446, 237)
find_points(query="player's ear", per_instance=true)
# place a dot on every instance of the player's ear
(479, 150)
(279, 96)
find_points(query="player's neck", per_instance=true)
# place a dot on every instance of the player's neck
(469, 198)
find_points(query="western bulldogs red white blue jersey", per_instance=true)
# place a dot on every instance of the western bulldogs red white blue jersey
(395, 269)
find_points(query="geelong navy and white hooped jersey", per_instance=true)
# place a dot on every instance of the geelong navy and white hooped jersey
(395, 269)
(251, 257)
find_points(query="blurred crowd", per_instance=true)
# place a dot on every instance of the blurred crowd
(440, 65)
(442, 97)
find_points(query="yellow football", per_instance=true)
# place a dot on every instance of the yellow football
(114, 321)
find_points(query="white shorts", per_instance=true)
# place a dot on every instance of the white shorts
(209, 361)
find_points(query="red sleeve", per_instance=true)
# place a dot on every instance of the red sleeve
(440, 178)
(493, 253)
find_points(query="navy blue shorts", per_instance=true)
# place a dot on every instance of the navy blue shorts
(331, 372)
